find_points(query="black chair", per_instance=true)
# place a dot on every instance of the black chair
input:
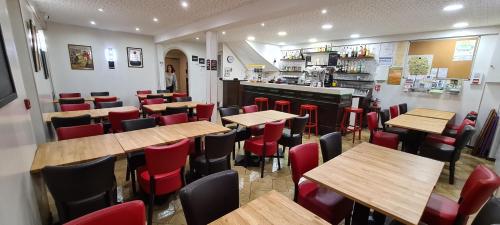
(331, 145)
(103, 93)
(403, 108)
(83, 188)
(401, 132)
(242, 133)
(70, 121)
(136, 159)
(183, 99)
(175, 110)
(110, 104)
(217, 154)
(293, 137)
(489, 214)
(210, 197)
(162, 91)
(448, 153)
(153, 96)
(71, 101)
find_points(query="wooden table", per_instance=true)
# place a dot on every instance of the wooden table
(423, 124)
(432, 113)
(258, 118)
(162, 107)
(139, 139)
(146, 95)
(194, 129)
(271, 208)
(392, 182)
(94, 113)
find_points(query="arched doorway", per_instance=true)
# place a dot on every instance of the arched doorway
(179, 61)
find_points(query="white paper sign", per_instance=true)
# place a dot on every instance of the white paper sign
(442, 73)
(464, 50)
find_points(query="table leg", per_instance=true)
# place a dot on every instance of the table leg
(360, 214)
(414, 140)
(41, 198)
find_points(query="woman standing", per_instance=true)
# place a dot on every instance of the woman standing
(170, 79)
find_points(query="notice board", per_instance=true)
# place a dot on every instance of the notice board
(447, 54)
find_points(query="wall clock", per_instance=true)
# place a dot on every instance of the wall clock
(230, 59)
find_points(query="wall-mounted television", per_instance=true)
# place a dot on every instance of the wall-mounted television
(7, 88)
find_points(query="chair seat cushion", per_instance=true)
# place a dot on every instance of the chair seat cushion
(440, 210)
(216, 165)
(437, 151)
(165, 183)
(323, 202)
(388, 140)
(256, 146)
(435, 138)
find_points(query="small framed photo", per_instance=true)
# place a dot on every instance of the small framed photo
(134, 57)
(80, 57)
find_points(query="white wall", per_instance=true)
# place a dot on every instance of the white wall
(122, 81)
(238, 69)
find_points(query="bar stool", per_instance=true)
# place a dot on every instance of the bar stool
(358, 121)
(260, 102)
(312, 110)
(282, 104)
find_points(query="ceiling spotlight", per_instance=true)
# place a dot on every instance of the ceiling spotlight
(251, 38)
(184, 4)
(282, 43)
(324, 11)
(223, 32)
(92, 22)
(453, 7)
(354, 35)
(137, 29)
(461, 25)
(100, 10)
(313, 40)
(155, 19)
(262, 24)
(327, 26)
(282, 33)
(197, 38)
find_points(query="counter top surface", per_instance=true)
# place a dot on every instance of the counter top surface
(323, 90)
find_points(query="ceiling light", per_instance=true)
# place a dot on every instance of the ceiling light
(223, 32)
(354, 35)
(282, 33)
(197, 38)
(262, 24)
(327, 26)
(100, 10)
(313, 40)
(155, 19)
(137, 29)
(251, 38)
(453, 7)
(324, 11)
(184, 4)
(461, 25)
(282, 43)
(92, 22)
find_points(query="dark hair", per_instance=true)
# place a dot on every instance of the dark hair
(172, 67)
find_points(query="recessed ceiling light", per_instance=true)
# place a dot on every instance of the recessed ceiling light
(282, 33)
(92, 22)
(453, 7)
(313, 40)
(155, 19)
(223, 32)
(354, 35)
(100, 9)
(197, 38)
(324, 11)
(137, 29)
(251, 38)
(282, 43)
(461, 25)
(327, 26)
(262, 24)
(184, 4)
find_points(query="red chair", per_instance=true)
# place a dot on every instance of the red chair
(98, 100)
(260, 101)
(128, 213)
(385, 139)
(152, 101)
(436, 138)
(255, 130)
(143, 92)
(478, 188)
(179, 94)
(203, 112)
(312, 110)
(174, 119)
(70, 95)
(394, 111)
(116, 118)
(323, 202)
(74, 107)
(164, 171)
(64, 133)
(266, 145)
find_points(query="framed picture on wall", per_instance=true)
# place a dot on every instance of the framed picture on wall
(80, 57)
(35, 51)
(7, 89)
(134, 57)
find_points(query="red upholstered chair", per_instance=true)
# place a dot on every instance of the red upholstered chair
(478, 188)
(436, 138)
(255, 130)
(98, 100)
(164, 171)
(116, 118)
(179, 94)
(176, 119)
(266, 145)
(203, 112)
(323, 202)
(128, 213)
(385, 139)
(143, 92)
(64, 133)
(70, 95)
(394, 111)
(74, 107)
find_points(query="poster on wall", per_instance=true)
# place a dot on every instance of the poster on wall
(213, 65)
(35, 51)
(395, 74)
(419, 64)
(201, 61)
(208, 64)
(194, 58)
(134, 57)
(80, 57)
(464, 50)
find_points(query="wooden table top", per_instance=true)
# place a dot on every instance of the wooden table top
(94, 113)
(146, 95)
(419, 123)
(162, 107)
(194, 129)
(392, 182)
(271, 208)
(139, 139)
(75, 151)
(258, 118)
(432, 113)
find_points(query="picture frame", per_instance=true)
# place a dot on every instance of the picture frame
(80, 57)
(134, 57)
(35, 51)
(8, 91)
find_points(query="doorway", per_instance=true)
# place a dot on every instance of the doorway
(178, 60)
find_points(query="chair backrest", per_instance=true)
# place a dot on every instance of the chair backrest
(151, 96)
(174, 119)
(162, 91)
(218, 146)
(464, 137)
(478, 188)
(299, 124)
(175, 110)
(372, 120)
(179, 94)
(110, 104)
(70, 95)
(71, 101)
(127, 213)
(331, 145)
(204, 111)
(394, 111)
(144, 92)
(303, 157)
(75, 107)
(152, 101)
(99, 100)
(175, 154)
(384, 117)
(183, 99)
(273, 131)
(64, 133)
(138, 124)
(489, 213)
(250, 108)
(228, 111)
(218, 192)
(83, 188)
(70, 121)
(464, 123)
(403, 108)
(102, 93)
(116, 118)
